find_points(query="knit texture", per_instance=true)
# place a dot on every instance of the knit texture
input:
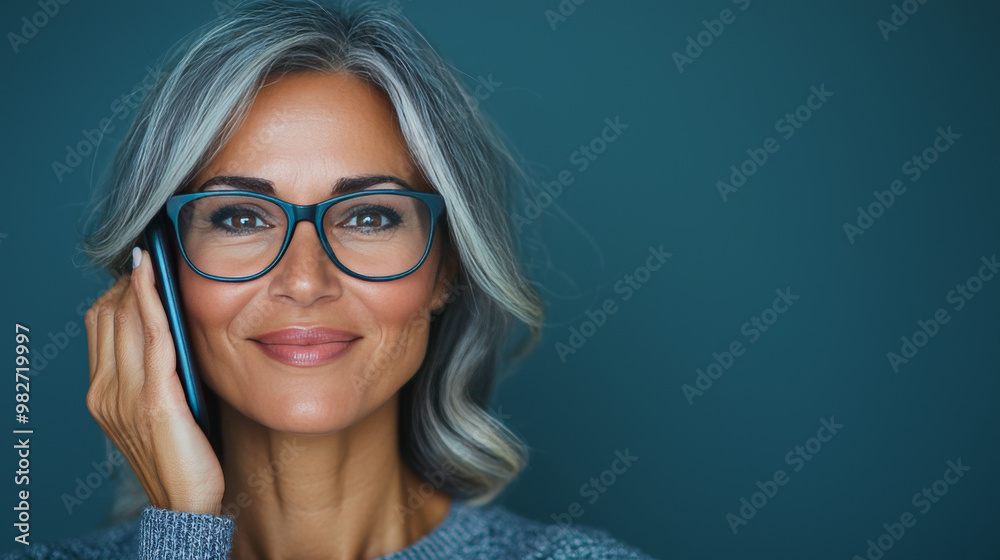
(468, 532)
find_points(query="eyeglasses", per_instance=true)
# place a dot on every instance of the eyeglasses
(235, 236)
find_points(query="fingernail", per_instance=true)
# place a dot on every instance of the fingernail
(136, 257)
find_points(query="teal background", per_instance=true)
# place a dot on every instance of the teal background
(654, 185)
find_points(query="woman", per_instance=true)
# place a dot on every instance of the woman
(347, 361)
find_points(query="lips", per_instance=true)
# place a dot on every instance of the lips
(305, 346)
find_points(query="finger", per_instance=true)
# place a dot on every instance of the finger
(160, 356)
(96, 334)
(129, 348)
(90, 323)
(105, 367)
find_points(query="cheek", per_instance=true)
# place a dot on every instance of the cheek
(210, 308)
(402, 305)
(397, 339)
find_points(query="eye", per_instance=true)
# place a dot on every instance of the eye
(238, 220)
(369, 219)
(372, 218)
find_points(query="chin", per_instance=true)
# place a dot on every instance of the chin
(301, 407)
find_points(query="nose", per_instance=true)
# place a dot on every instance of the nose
(305, 272)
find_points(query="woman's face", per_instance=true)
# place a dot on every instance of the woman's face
(304, 133)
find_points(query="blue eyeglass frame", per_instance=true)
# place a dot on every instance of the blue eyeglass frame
(296, 213)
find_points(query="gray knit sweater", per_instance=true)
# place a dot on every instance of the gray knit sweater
(482, 533)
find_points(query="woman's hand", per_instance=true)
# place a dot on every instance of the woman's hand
(137, 398)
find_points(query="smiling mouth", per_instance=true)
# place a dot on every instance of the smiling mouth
(304, 354)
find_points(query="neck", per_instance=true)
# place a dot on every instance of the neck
(334, 496)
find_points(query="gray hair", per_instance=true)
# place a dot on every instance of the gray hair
(209, 84)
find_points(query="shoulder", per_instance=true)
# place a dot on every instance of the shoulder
(510, 535)
(106, 543)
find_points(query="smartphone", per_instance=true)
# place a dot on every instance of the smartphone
(159, 239)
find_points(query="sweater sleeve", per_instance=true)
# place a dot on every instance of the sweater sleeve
(176, 535)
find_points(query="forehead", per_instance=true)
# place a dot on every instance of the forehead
(307, 128)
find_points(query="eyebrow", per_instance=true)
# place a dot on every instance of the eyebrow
(344, 185)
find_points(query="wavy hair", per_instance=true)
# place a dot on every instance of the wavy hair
(209, 82)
